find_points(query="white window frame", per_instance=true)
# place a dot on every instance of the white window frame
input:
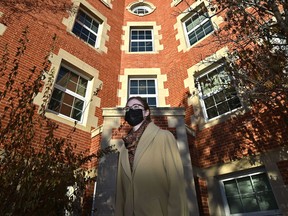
(133, 6)
(202, 96)
(141, 40)
(207, 19)
(85, 99)
(226, 206)
(145, 8)
(144, 95)
(96, 45)
(176, 2)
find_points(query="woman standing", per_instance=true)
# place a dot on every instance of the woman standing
(150, 178)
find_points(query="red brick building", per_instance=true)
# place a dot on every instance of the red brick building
(163, 51)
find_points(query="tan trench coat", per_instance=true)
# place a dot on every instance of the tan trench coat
(156, 186)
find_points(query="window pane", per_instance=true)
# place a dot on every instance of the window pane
(133, 83)
(209, 102)
(92, 39)
(54, 105)
(84, 36)
(63, 77)
(267, 201)
(245, 185)
(219, 97)
(141, 35)
(261, 182)
(199, 33)
(141, 48)
(148, 34)
(72, 83)
(77, 29)
(68, 99)
(207, 27)
(94, 27)
(250, 203)
(88, 21)
(134, 35)
(82, 85)
(192, 38)
(151, 102)
(151, 83)
(65, 110)
(235, 205)
(81, 16)
(189, 25)
(78, 104)
(212, 112)
(134, 90)
(57, 95)
(149, 46)
(76, 114)
(231, 188)
(142, 87)
(223, 108)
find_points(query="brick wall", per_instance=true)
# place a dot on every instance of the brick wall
(202, 196)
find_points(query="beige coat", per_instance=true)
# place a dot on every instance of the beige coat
(156, 185)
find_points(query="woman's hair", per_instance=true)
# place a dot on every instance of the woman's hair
(143, 102)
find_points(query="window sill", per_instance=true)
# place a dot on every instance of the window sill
(109, 5)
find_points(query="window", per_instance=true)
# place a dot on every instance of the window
(217, 95)
(249, 194)
(145, 88)
(141, 8)
(86, 28)
(141, 40)
(69, 94)
(197, 26)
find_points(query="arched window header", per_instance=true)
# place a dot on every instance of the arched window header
(141, 8)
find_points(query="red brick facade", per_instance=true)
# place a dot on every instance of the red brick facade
(227, 141)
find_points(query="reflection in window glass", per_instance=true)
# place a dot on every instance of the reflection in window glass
(251, 193)
(216, 93)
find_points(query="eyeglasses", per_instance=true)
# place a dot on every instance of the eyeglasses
(133, 107)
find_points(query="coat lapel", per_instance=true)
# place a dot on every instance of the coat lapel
(125, 162)
(145, 140)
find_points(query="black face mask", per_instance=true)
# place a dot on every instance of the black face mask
(134, 117)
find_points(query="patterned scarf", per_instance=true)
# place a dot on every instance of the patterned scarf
(131, 141)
